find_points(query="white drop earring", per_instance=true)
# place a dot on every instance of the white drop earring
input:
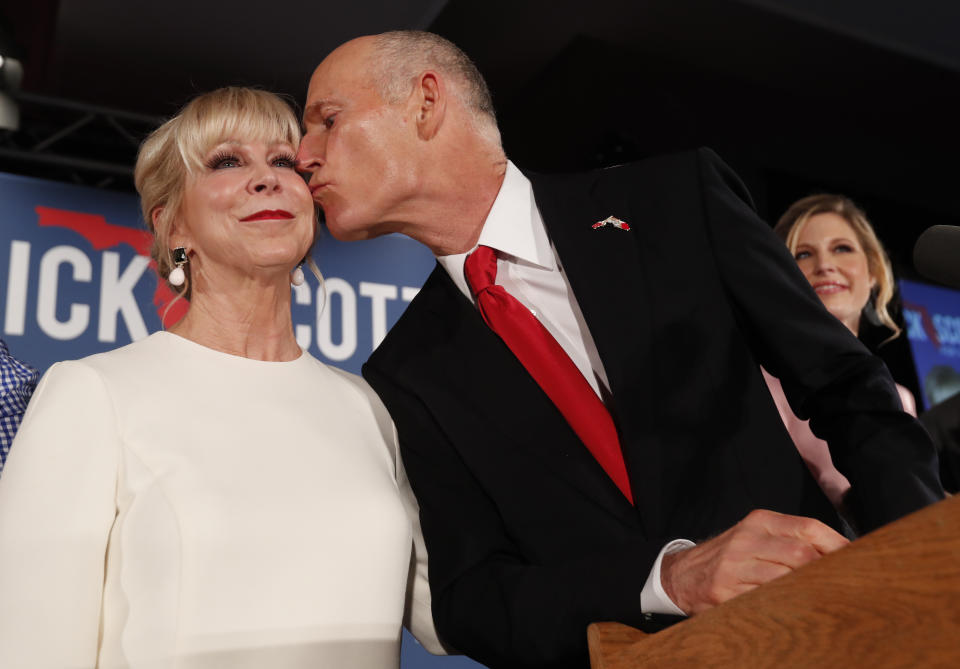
(177, 276)
(296, 276)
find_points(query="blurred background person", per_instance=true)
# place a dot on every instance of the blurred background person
(839, 253)
(17, 382)
(940, 383)
(936, 255)
(212, 495)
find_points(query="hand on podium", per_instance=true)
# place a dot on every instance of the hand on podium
(758, 549)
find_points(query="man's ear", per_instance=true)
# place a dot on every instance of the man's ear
(431, 96)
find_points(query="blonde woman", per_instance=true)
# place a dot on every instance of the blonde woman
(212, 495)
(838, 252)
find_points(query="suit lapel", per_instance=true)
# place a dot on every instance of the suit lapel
(605, 269)
(471, 352)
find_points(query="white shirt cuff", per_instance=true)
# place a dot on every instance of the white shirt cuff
(653, 598)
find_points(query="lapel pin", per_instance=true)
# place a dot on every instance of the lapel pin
(612, 220)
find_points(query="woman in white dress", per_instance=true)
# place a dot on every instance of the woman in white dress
(838, 252)
(212, 495)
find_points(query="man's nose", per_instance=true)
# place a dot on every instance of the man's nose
(308, 158)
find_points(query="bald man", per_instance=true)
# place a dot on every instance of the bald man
(577, 387)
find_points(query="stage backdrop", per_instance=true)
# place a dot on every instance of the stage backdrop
(932, 317)
(78, 280)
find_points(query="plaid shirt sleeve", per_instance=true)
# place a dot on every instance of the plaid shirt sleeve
(17, 382)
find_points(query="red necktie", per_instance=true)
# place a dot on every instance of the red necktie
(548, 364)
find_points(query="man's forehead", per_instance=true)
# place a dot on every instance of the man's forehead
(320, 92)
(348, 57)
(335, 73)
(341, 76)
(319, 81)
(357, 48)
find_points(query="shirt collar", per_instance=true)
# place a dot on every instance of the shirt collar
(513, 228)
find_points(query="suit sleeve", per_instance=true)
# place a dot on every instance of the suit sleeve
(828, 376)
(488, 600)
(57, 506)
(943, 424)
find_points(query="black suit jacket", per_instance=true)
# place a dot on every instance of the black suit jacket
(943, 423)
(529, 541)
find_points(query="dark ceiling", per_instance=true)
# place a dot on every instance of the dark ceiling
(848, 92)
(852, 95)
(856, 96)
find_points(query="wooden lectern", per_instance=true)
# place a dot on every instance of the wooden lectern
(889, 599)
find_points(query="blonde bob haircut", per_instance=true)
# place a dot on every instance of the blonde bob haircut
(175, 152)
(791, 223)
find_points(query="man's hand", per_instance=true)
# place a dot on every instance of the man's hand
(759, 548)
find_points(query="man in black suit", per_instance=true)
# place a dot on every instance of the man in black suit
(667, 293)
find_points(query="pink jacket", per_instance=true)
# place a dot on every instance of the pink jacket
(815, 451)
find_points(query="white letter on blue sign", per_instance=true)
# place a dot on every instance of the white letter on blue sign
(378, 293)
(116, 296)
(17, 278)
(948, 328)
(348, 321)
(47, 299)
(914, 322)
(302, 295)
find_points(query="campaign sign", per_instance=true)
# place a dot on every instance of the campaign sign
(78, 279)
(932, 316)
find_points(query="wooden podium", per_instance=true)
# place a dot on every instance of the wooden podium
(889, 599)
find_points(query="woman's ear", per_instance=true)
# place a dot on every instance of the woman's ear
(177, 232)
(155, 216)
(431, 98)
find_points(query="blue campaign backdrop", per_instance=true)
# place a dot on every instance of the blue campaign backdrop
(78, 281)
(932, 317)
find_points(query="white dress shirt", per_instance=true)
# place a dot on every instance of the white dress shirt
(528, 269)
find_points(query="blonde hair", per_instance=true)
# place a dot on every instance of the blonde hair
(791, 224)
(176, 150)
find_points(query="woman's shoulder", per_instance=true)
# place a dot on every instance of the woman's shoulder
(123, 358)
(120, 373)
(355, 390)
(348, 382)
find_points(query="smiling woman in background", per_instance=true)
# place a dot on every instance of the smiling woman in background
(840, 255)
(212, 495)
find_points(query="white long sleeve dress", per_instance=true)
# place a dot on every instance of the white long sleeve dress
(166, 505)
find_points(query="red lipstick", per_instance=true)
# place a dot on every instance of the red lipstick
(267, 215)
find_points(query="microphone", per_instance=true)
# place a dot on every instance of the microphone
(936, 254)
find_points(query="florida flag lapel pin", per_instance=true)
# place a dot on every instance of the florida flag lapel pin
(614, 221)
